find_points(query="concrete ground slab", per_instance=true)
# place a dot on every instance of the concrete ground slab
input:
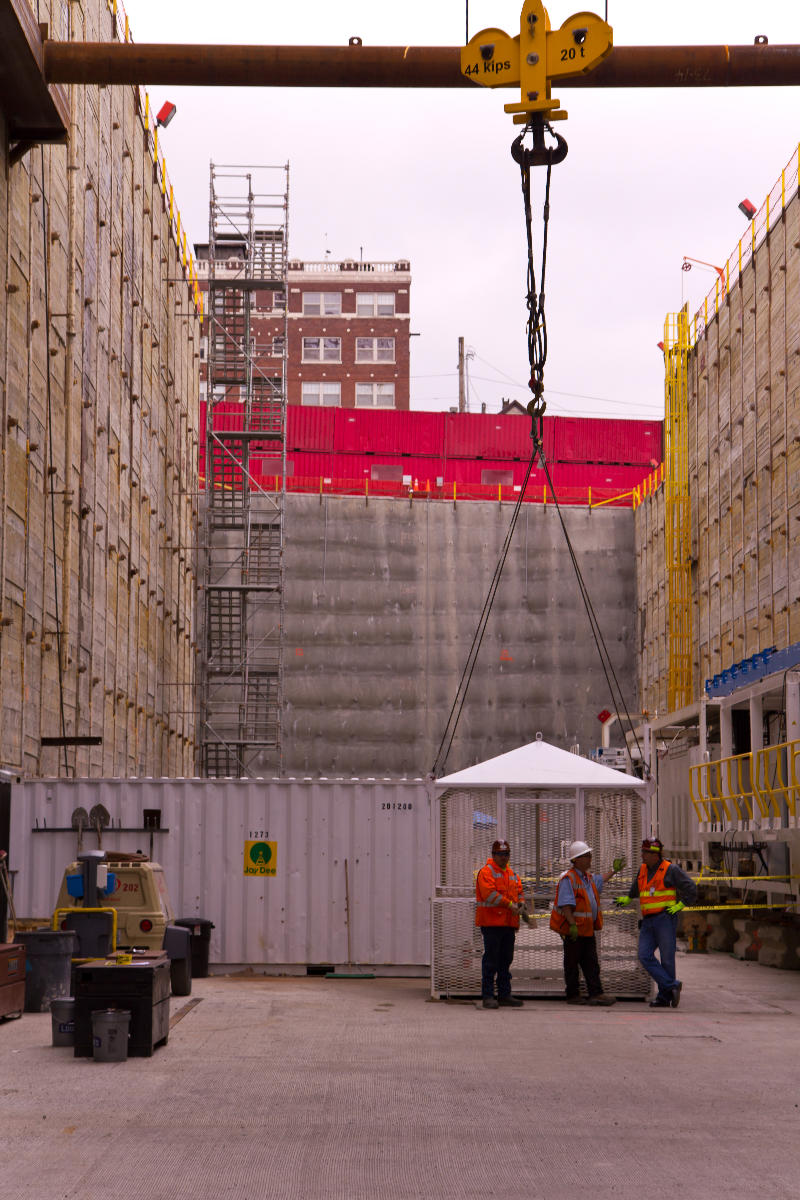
(307, 1087)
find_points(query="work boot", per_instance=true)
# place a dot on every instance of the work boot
(676, 995)
(509, 1002)
(659, 1002)
(603, 999)
(490, 1002)
(577, 1000)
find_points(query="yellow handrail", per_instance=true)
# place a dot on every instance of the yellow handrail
(704, 790)
(736, 784)
(776, 778)
(731, 788)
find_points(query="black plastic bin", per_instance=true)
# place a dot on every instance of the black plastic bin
(200, 940)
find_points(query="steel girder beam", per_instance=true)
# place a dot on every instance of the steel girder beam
(401, 67)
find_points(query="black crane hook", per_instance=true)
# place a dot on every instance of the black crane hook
(539, 155)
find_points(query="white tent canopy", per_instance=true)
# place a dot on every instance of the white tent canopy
(540, 765)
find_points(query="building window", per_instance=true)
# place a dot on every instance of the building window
(279, 301)
(324, 349)
(326, 395)
(374, 395)
(375, 349)
(375, 304)
(278, 344)
(322, 304)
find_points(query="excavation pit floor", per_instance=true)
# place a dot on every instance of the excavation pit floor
(365, 1088)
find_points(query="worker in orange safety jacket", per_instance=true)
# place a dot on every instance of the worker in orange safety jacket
(499, 900)
(662, 890)
(576, 915)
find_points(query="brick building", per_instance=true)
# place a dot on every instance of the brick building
(347, 325)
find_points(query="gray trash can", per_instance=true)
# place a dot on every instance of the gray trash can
(62, 1013)
(110, 1028)
(48, 964)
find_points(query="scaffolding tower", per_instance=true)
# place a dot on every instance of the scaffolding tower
(241, 667)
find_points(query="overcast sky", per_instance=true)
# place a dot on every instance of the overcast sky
(651, 176)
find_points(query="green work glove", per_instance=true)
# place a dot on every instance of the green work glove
(674, 909)
(618, 864)
(622, 901)
(573, 933)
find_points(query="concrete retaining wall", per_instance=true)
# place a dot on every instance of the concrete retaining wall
(382, 602)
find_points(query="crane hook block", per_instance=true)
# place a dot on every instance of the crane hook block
(535, 57)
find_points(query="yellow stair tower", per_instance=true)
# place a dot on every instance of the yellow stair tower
(676, 510)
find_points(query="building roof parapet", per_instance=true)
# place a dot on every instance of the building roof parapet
(348, 266)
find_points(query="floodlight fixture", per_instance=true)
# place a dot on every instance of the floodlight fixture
(165, 114)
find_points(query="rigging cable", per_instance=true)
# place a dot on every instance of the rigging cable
(59, 632)
(537, 356)
(538, 155)
(466, 675)
(597, 634)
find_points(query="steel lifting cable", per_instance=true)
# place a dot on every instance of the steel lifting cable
(537, 155)
(597, 633)
(537, 355)
(466, 675)
(541, 155)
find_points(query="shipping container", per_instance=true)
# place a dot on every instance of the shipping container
(264, 859)
(390, 432)
(434, 450)
(579, 439)
(474, 435)
(309, 428)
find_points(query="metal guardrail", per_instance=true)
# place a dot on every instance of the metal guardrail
(744, 787)
(588, 497)
(783, 190)
(122, 31)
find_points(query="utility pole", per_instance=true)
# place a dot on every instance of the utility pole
(462, 389)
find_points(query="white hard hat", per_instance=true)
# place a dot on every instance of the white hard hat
(577, 849)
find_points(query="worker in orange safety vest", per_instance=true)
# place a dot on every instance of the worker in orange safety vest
(576, 915)
(499, 900)
(662, 890)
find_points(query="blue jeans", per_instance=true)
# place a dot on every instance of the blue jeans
(498, 953)
(659, 932)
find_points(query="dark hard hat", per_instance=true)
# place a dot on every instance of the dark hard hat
(501, 848)
(654, 844)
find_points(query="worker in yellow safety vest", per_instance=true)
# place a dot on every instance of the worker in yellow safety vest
(499, 900)
(662, 890)
(576, 915)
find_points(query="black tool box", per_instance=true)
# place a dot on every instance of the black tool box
(142, 987)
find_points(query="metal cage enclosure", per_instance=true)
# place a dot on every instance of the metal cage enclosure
(539, 824)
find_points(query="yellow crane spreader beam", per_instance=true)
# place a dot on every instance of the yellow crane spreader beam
(356, 65)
